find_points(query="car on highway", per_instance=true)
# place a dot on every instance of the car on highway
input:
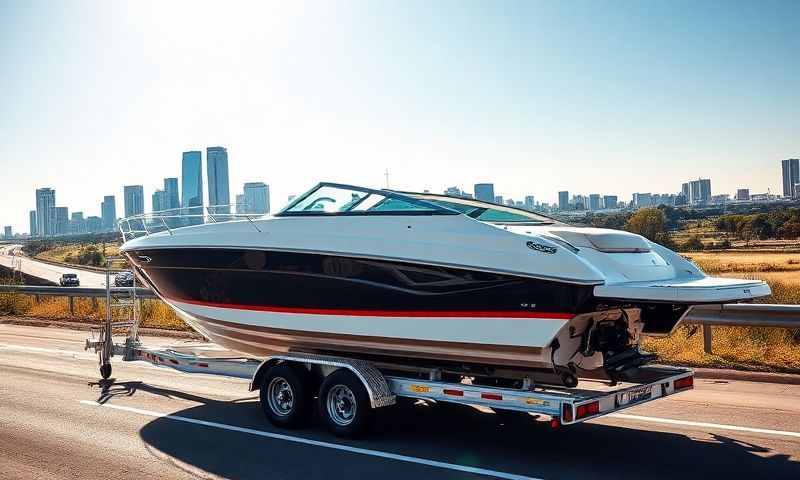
(123, 279)
(69, 280)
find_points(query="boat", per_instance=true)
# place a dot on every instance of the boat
(405, 277)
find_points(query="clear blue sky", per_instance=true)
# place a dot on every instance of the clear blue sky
(594, 97)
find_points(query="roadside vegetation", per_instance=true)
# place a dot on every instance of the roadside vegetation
(87, 250)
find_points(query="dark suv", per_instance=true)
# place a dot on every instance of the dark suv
(69, 280)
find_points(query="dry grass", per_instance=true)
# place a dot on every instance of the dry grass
(153, 313)
(769, 349)
(73, 250)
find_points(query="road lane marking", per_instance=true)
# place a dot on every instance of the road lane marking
(66, 353)
(317, 443)
(718, 426)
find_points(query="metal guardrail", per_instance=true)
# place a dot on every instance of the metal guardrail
(75, 292)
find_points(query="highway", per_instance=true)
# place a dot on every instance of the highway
(57, 421)
(11, 257)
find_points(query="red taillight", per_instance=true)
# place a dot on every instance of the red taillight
(686, 382)
(587, 410)
(491, 396)
(455, 393)
(566, 412)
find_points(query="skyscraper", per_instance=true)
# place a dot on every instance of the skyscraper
(498, 199)
(77, 224)
(159, 201)
(241, 204)
(171, 192)
(7, 232)
(32, 227)
(94, 224)
(192, 186)
(609, 201)
(45, 215)
(563, 200)
(61, 216)
(791, 176)
(594, 201)
(218, 185)
(530, 204)
(743, 194)
(134, 200)
(108, 211)
(256, 197)
(484, 192)
(699, 191)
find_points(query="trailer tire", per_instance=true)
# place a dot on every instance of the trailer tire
(344, 404)
(285, 396)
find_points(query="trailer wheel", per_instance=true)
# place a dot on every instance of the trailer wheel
(285, 396)
(344, 404)
(105, 371)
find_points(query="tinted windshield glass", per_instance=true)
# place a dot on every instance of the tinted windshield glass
(70, 275)
(491, 213)
(335, 199)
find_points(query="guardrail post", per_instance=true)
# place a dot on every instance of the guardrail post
(71, 306)
(707, 337)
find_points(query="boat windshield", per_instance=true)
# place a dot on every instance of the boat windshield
(335, 199)
(485, 212)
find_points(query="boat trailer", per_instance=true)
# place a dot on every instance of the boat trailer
(348, 390)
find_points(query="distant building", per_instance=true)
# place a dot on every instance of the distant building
(790, 170)
(241, 204)
(134, 200)
(641, 200)
(160, 201)
(108, 211)
(453, 192)
(192, 186)
(720, 199)
(743, 194)
(256, 197)
(171, 192)
(32, 227)
(7, 232)
(77, 224)
(498, 199)
(61, 215)
(530, 202)
(699, 191)
(579, 202)
(609, 201)
(45, 215)
(563, 200)
(218, 184)
(685, 190)
(510, 202)
(594, 201)
(484, 192)
(94, 224)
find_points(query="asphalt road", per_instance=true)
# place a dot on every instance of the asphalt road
(11, 257)
(57, 421)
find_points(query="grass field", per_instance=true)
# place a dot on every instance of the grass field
(70, 252)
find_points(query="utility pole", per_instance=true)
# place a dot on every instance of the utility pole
(387, 177)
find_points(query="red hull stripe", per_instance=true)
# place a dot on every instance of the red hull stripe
(386, 313)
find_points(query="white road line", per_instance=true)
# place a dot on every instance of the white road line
(66, 353)
(316, 443)
(718, 426)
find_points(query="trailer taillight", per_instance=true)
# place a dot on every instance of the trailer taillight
(566, 412)
(685, 382)
(588, 409)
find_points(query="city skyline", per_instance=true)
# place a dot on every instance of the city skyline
(103, 94)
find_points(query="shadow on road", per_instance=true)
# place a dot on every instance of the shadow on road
(517, 444)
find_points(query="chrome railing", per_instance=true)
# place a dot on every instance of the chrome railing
(169, 220)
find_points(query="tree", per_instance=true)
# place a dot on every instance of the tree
(693, 244)
(647, 222)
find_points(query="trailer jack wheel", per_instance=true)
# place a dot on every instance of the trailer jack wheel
(105, 371)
